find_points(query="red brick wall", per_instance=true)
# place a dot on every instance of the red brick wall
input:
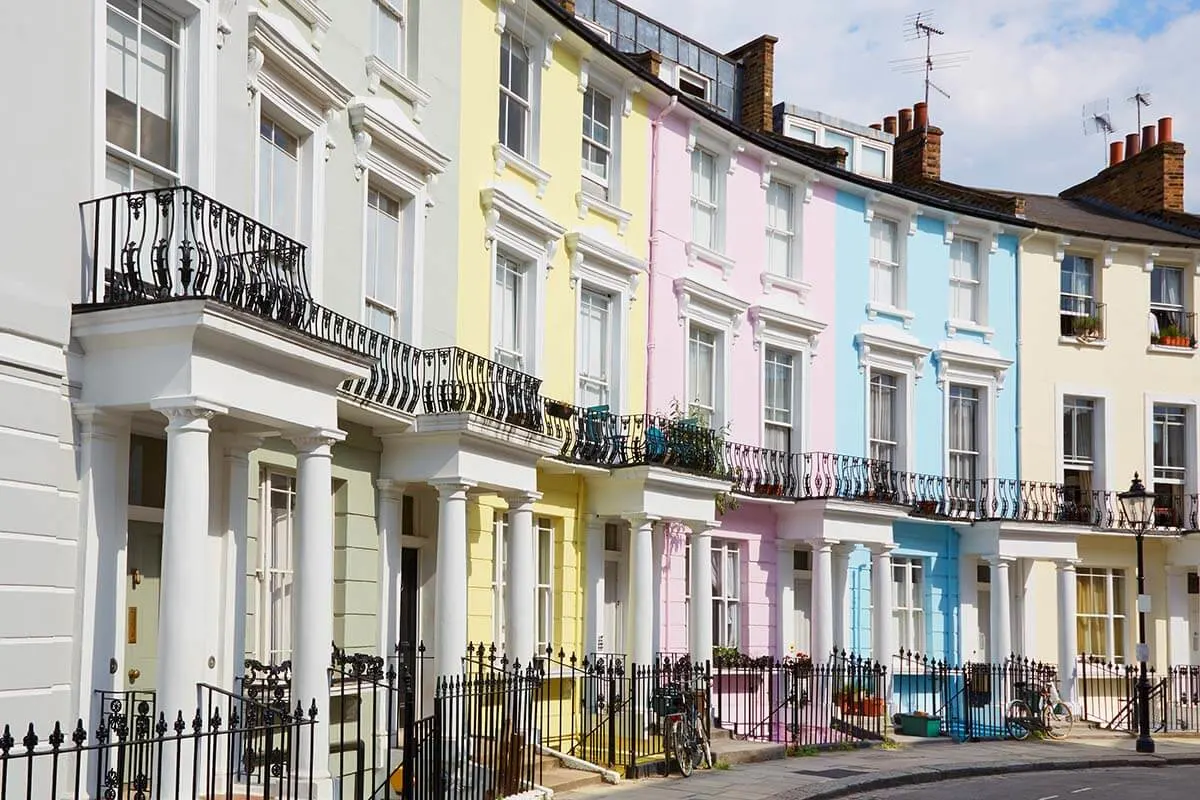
(1149, 182)
(917, 156)
(758, 82)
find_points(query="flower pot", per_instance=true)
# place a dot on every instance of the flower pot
(560, 410)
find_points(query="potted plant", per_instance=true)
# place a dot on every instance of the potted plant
(557, 408)
(927, 507)
(1086, 327)
(1170, 336)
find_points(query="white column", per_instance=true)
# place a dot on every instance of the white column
(883, 642)
(841, 595)
(237, 511)
(1178, 613)
(700, 608)
(312, 584)
(785, 594)
(103, 509)
(181, 613)
(1067, 632)
(822, 600)
(1001, 615)
(390, 496)
(450, 644)
(658, 550)
(594, 590)
(520, 588)
(642, 613)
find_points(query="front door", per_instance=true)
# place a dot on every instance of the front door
(612, 636)
(1194, 626)
(143, 569)
(407, 635)
(802, 612)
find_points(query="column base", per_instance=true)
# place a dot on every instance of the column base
(319, 788)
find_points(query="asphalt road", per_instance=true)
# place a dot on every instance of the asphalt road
(1154, 783)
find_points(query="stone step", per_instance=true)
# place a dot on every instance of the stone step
(563, 779)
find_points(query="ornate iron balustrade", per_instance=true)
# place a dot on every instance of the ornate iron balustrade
(455, 380)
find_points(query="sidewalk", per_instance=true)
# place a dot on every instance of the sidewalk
(840, 773)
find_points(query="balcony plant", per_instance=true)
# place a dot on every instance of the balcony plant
(559, 409)
(1086, 327)
(1171, 337)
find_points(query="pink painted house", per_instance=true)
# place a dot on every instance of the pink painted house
(741, 298)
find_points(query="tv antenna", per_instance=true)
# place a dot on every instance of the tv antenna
(1097, 119)
(1140, 99)
(920, 26)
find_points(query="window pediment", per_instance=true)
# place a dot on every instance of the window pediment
(890, 348)
(784, 328)
(603, 263)
(378, 121)
(709, 306)
(793, 174)
(961, 360)
(904, 212)
(709, 138)
(987, 233)
(505, 208)
(278, 51)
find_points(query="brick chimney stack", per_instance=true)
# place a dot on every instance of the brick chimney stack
(917, 151)
(758, 82)
(1146, 179)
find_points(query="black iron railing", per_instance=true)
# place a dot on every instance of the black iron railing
(216, 751)
(455, 380)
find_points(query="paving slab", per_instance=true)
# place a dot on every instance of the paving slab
(834, 774)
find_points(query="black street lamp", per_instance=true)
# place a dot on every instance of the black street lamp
(1137, 505)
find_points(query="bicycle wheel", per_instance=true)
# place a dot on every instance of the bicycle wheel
(681, 743)
(1018, 720)
(702, 746)
(1058, 719)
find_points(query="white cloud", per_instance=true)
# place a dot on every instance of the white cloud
(1014, 117)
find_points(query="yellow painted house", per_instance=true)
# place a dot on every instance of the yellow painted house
(549, 248)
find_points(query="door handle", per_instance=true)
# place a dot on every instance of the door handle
(134, 674)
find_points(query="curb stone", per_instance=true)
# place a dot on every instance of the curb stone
(922, 775)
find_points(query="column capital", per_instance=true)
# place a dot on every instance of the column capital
(192, 412)
(883, 548)
(99, 423)
(318, 441)
(1068, 564)
(447, 490)
(642, 520)
(516, 500)
(702, 527)
(843, 549)
(1179, 569)
(822, 545)
(999, 561)
(390, 489)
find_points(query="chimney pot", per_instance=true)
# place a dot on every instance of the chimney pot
(1147, 136)
(1164, 130)
(1131, 145)
(906, 120)
(875, 126)
(1116, 153)
(920, 116)
(889, 125)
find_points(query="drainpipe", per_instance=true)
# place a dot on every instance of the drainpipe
(653, 248)
(1017, 291)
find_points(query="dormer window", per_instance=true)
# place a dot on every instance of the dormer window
(692, 84)
(834, 139)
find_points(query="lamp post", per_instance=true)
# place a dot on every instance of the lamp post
(1137, 504)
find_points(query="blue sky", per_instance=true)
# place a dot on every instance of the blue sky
(1014, 119)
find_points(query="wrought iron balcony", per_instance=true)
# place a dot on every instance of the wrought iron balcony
(1173, 327)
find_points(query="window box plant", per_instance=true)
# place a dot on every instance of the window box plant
(559, 409)
(1086, 327)
(1170, 336)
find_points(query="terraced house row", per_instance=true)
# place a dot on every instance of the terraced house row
(542, 324)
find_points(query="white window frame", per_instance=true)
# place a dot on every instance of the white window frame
(897, 444)
(525, 105)
(1094, 298)
(1112, 643)
(682, 73)
(903, 613)
(526, 235)
(851, 151)
(884, 149)
(1103, 432)
(894, 268)
(714, 204)
(726, 634)
(395, 12)
(905, 217)
(371, 264)
(716, 412)
(1169, 415)
(1192, 411)
(192, 100)
(791, 235)
(799, 336)
(500, 526)
(1078, 405)
(262, 148)
(520, 355)
(984, 372)
(986, 237)
(795, 425)
(390, 159)
(292, 87)
(976, 394)
(609, 383)
(721, 313)
(266, 557)
(886, 349)
(544, 528)
(976, 285)
(609, 184)
(540, 46)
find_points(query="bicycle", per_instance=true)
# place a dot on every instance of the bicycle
(685, 731)
(1040, 708)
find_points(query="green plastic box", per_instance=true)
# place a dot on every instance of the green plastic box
(911, 725)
